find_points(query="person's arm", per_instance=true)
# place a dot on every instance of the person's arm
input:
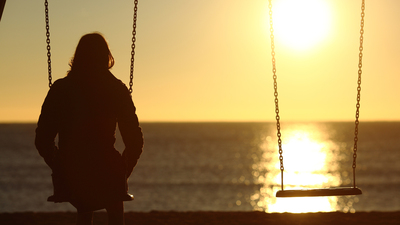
(46, 130)
(131, 132)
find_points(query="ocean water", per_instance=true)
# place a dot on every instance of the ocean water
(227, 167)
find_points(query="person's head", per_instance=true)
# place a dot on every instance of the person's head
(92, 53)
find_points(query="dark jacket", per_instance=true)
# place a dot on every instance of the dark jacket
(84, 110)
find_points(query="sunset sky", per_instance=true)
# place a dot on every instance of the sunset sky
(210, 60)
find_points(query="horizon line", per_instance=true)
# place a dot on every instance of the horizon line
(234, 121)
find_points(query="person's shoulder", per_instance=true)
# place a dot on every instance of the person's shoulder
(117, 82)
(62, 85)
(60, 82)
(119, 87)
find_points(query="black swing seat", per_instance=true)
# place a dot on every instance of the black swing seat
(319, 192)
(57, 198)
(60, 198)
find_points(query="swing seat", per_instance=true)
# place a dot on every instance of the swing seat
(319, 192)
(61, 198)
(57, 198)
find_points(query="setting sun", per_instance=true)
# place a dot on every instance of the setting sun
(301, 24)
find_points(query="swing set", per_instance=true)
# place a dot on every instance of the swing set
(336, 191)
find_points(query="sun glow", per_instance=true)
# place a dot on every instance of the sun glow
(304, 205)
(301, 24)
(310, 161)
(306, 155)
(307, 162)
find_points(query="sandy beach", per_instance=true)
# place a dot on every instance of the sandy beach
(194, 218)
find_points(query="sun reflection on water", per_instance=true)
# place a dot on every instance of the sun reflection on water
(310, 161)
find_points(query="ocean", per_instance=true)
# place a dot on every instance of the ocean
(227, 167)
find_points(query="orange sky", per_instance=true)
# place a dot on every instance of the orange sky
(209, 60)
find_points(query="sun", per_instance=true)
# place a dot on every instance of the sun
(301, 24)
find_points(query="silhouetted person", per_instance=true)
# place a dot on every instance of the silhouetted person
(83, 109)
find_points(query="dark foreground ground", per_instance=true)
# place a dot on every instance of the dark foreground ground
(200, 218)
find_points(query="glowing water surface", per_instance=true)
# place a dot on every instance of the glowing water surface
(310, 160)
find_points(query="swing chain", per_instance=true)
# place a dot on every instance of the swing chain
(355, 148)
(133, 46)
(278, 125)
(46, 5)
(360, 55)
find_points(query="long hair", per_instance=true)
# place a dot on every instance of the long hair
(92, 54)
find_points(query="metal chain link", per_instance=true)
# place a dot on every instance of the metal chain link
(133, 47)
(278, 124)
(46, 9)
(360, 55)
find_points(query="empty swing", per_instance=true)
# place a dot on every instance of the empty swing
(56, 197)
(337, 191)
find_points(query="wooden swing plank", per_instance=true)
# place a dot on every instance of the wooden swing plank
(319, 192)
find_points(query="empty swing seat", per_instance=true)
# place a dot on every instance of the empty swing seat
(319, 192)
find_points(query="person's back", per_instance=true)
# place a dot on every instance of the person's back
(84, 109)
(89, 109)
